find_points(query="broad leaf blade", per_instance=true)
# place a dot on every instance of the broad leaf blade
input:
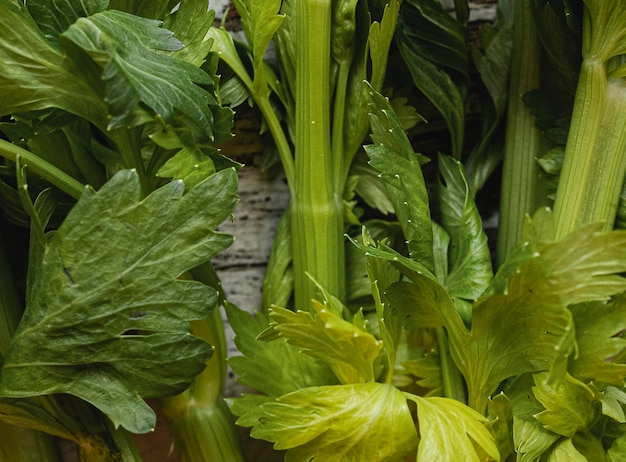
(432, 44)
(107, 320)
(448, 430)
(54, 18)
(569, 406)
(399, 166)
(136, 71)
(347, 349)
(470, 258)
(529, 328)
(598, 326)
(327, 423)
(274, 368)
(34, 75)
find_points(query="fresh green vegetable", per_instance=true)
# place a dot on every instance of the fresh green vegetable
(120, 114)
(458, 363)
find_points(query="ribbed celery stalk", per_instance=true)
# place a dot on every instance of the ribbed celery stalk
(317, 207)
(593, 168)
(200, 423)
(39, 166)
(520, 192)
(18, 444)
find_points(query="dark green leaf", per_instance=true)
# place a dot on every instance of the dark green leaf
(152, 9)
(469, 255)
(190, 23)
(432, 44)
(34, 75)
(108, 320)
(137, 74)
(53, 18)
(393, 156)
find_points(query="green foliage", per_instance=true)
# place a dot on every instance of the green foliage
(129, 336)
(328, 422)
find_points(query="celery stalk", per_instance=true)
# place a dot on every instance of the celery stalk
(593, 167)
(317, 207)
(200, 423)
(520, 192)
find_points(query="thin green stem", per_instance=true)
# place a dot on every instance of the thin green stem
(127, 144)
(339, 111)
(44, 169)
(317, 208)
(452, 380)
(521, 191)
(280, 140)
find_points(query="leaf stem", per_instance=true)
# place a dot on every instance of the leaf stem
(451, 376)
(46, 170)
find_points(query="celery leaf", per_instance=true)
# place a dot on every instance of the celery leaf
(598, 326)
(137, 73)
(274, 368)
(469, 255)
(569, 407)
(348, 350)
(106, 319)
(348, 423)
(449, 429)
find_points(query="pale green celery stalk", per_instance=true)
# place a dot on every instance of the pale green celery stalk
(453, 384)
(317, 207)
(520, 191)
(593, 163)
(18, 444)
(38, 166)
(200, 423)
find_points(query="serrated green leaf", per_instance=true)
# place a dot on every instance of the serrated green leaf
(449, 429)
(432, 44)
(274, 368)
(617, 451)
(53, 18)
(108, 321)
(531, 440)
(500, 415)
(393, 156)
(380, 37)
(34, 75)
(327, 423)
(564, 451)
(152, 9)
(136, 72)
(349, 351)
(469, 254)
(260, 21)
(190, 23)
(613, 401)
(569, 407)
(598, 326)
